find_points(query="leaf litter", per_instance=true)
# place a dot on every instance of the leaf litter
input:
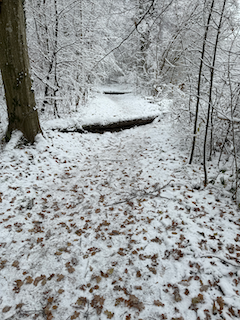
(112, 226)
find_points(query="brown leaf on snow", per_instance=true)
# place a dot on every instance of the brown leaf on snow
(50, 299)
(57, 253)
(75, 315)
(138, 274)
(110, 271)
(220, 302)
(143, 257)
(109, 314)
(2, 264)
(120, 251)
(157, 240)
(114, 233)
(104, 275)
(18, 285)
(117, 288)
(177, 296)
(153, 270)
(214, 309)
(101, 198)
(118, 301)
(158, 303)
(70, 269)
(204, 288)
(134, 302)
(97, 303)
(47, 311)
(38, 279)
(81, 301)
(197, 299)
(231, 311)
(6, 309)
(138, 287)
(29, 280)
(16, 264)
(186, 292)
(98, 279)
(175, 253)
(60, 277)
(79, 232)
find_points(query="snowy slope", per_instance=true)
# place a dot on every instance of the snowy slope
(114, 226)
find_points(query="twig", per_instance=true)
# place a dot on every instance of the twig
(222, 260)
(141, 194)
(86, 269)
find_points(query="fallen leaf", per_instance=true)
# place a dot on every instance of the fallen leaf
(204, 288)
(75, 315)
(60, 277)
(134, 302)
(153, 270)
(97, 303)
(220, 301)
(38, 279)
(197, 299)
(138, 274)
(6, 309)
(98, 279)
(110, 271)
(71, 269)
(29, 280)
(15, 264)
(81, 301)
(109, 314)
(158, 303)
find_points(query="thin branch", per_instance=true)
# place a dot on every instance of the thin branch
(222, 260)
(142, 193)
(128, 36)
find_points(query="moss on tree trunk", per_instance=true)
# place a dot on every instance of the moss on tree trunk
(14, 64)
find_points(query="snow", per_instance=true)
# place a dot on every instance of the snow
(114, 225)
(106, 108)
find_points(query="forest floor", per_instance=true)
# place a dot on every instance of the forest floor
(115, 225)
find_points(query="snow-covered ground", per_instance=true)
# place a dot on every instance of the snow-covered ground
(114, 226)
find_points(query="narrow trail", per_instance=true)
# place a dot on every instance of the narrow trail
(112, 226)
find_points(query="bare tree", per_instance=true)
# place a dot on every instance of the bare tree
(210, 91)
(199, 80)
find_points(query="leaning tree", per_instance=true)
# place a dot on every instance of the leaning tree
(15, 70)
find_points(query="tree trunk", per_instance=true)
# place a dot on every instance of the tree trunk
(199, 81)
(14, 64)
(212, 69)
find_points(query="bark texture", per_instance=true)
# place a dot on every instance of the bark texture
(14, 64)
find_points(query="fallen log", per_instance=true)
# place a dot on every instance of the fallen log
(115, 92)
(110, 127)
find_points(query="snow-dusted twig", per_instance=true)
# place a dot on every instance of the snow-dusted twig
(142, 193)
(222, 260)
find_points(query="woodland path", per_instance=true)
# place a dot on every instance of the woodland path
(114, 226)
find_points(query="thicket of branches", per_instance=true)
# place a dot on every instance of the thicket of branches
(186, 49)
